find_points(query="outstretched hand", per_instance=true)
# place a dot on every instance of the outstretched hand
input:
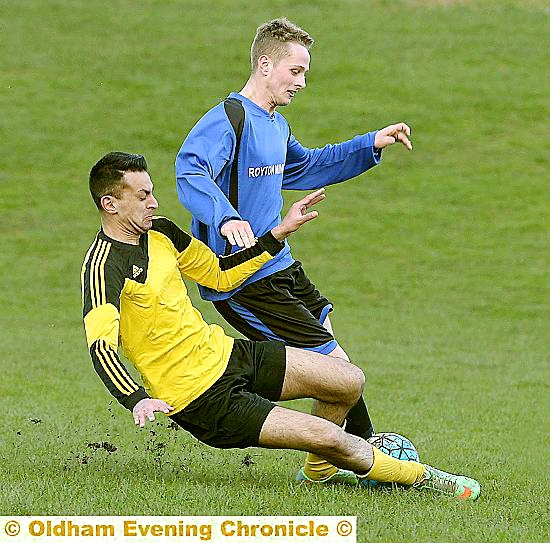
(238, 233)
(145, 409)
(392, 134)
(298, 215)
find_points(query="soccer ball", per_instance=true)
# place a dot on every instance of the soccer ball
(394, 445)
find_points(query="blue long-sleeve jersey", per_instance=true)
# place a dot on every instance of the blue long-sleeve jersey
(270, 159)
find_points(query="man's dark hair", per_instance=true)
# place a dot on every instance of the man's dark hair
(107, 173)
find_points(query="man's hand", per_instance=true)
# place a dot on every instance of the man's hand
(238, 233)
(298, 215)
(392, 134)
(145, 409)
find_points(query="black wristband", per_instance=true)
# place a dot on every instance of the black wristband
(271, 244)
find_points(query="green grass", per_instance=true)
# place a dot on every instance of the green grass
(437, 262)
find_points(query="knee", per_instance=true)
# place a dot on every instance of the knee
(328, 440)
(360, 379)
(351, 381)
(355, 382)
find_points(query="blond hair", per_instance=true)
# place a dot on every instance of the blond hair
(271, 39)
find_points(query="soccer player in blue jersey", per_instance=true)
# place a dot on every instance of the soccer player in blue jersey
(230, 172)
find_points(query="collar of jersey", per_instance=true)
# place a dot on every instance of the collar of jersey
(251, 106)
(129, 246)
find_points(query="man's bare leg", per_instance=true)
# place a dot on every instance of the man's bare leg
(336, 385)
(288, 429)
(358, 419)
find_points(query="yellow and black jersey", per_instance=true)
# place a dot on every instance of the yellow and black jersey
(134, 297)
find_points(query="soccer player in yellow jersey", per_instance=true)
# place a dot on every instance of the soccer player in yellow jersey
(222, 390)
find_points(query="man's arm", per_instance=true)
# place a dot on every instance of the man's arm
(206, 151)
(102, 284)
(101, 325)
(223, 273)
(312, 168)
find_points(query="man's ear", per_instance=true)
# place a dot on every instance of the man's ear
(108, 204)
(264, 64)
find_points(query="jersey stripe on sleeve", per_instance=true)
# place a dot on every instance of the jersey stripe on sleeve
(112, 367)
(97, 273)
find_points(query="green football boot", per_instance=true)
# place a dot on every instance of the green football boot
(457, 486)
(341, 477)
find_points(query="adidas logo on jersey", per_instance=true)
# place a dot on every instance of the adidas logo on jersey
(136, 271)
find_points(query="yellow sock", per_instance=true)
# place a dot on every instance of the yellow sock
(387, 469)
(317, 469)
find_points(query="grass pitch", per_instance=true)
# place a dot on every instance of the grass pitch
(437, 261)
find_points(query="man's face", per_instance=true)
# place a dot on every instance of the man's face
(288, 75)
(136, 206)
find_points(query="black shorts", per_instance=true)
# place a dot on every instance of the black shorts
(231, 413)
(284, 306)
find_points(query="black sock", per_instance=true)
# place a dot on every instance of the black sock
(358, 420)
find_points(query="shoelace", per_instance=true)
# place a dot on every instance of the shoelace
(438, 480)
